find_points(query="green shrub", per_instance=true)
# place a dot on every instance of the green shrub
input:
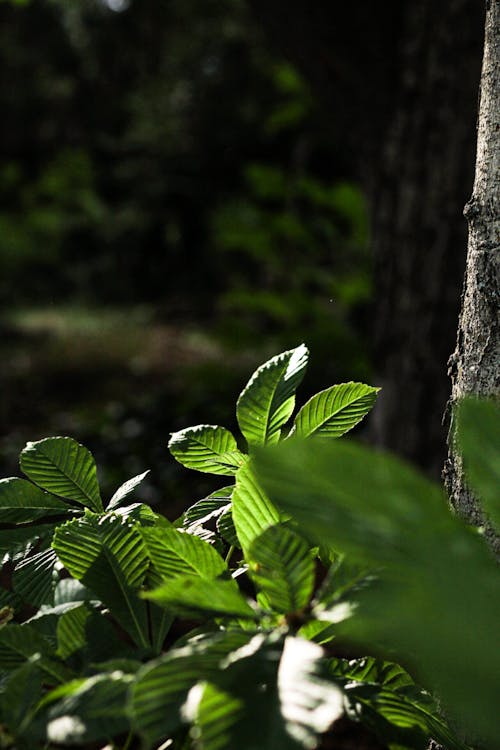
(231, 626)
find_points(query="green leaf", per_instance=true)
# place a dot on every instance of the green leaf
(206, 448)
(161, 688)
(226, 527)
(406, 712)
(65, 468)
(267, 698)
(109, 556)
(335, 411)
(194, 596)
(352, 498)
(71, 633)
(478, 427)
(33, 578)
(383, 513)
(85, 711)
(175, 552)
(19, 695)
(21, 501)
(209, 507)
(342, 583)
(18, 643)
(252, 511)
(16, 539)
(267, 401)
(125, 490)
(283, 569)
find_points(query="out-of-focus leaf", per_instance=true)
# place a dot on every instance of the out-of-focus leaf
(65, 468)
(271, 697)
(268, 399)
(439, 587)
(88, 710)
(478, 428)
(18, 643)
(161, 688)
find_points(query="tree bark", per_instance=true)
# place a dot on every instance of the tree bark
(399, 80)
(475, 364)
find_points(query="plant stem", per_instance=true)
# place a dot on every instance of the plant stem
(228, 556)
(128, 741)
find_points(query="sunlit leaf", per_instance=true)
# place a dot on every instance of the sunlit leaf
(65, 468)
(209, 507)
(206, 448)
(176, 553)
(335, 411)
(125, 490)
(194, 596)
(267, 401)
(251, 509)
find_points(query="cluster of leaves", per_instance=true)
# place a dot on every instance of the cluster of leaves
(225, 628)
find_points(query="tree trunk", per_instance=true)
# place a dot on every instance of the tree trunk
(475, 365)
(399, 82)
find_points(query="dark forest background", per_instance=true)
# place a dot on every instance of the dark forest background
(175, 208)
(178, 203)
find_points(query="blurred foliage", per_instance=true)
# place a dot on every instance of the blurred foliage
(174, 207)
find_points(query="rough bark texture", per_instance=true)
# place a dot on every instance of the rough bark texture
(399, 82)
(475, 365)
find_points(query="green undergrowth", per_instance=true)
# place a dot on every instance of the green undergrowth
(321, 582)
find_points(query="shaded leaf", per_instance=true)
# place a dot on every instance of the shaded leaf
(65, 468)
(109, 556)
(71, 634)
(21, 501)
(88, 710)
(283, 569)
(226, 527)
(33, 578)
(18, 643)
